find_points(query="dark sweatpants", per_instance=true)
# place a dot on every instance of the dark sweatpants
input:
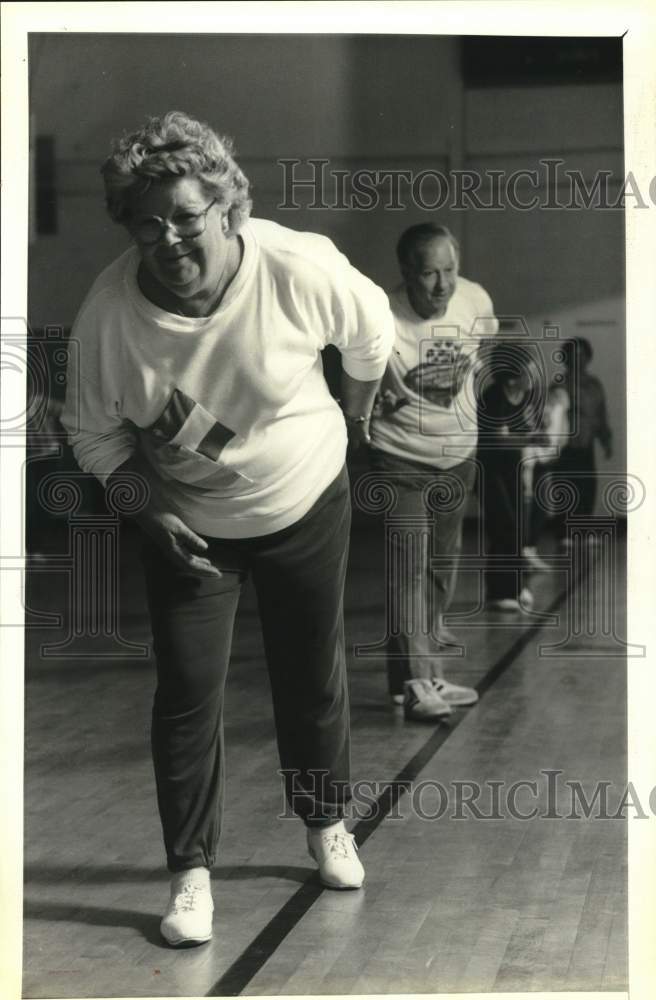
(576, 467)
(298, 575)
(502, 498)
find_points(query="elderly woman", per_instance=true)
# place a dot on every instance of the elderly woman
(200, 371)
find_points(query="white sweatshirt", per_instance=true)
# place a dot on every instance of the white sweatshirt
(431, 371)
(231, 410)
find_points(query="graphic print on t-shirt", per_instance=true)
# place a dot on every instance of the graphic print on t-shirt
(441, 373)
(185, 422)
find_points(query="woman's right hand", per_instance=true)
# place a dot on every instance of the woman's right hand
(177, 541)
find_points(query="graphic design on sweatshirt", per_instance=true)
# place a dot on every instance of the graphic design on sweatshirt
(185, 422)
(441, 373)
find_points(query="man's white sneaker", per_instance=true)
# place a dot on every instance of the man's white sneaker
(188, 918)
(524, 602)
(422, 702)
(526, 599)
(533, 558)
(454, 694)
(335, 851)
(504, 604)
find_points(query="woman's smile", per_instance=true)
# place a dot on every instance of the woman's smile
(176, 268)
(176, 262)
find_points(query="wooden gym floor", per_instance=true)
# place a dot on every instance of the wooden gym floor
(459, 903)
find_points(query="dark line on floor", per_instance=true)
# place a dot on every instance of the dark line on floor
(244, 969)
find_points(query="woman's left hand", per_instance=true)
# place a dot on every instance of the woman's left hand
(357, 430)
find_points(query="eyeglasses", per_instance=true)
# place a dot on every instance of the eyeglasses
(188, 224)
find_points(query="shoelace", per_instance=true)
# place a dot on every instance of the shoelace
(425, 689)
(339, 843)
(186, 899)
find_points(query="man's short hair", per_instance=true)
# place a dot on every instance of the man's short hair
(419, 235)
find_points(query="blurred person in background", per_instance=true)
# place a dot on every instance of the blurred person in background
(588, 424)
(538, 464)
(510, 418)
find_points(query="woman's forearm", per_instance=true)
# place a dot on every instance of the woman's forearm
(357, 400)
(357, 397)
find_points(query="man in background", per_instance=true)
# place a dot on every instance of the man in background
(424, 436)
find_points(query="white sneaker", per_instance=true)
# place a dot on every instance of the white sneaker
(526, 599)
(504, 604)
(188, 918)
(454, 694)
(530, 553)
(524, 602)
(422, 702)
(336, 853)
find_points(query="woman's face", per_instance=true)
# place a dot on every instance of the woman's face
(188, 267)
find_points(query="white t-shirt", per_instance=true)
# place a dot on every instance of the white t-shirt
(231, 410)
(431, 371)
